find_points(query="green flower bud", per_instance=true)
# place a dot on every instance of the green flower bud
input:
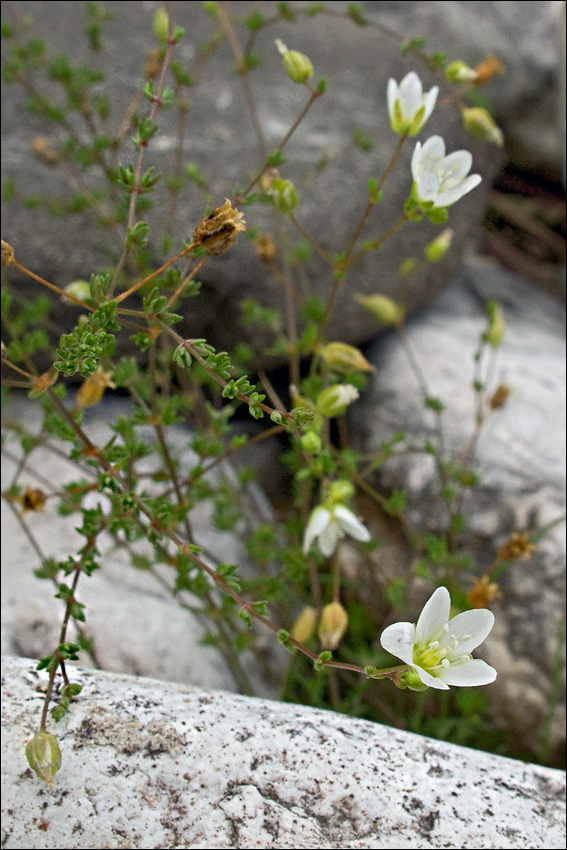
(496, 326)
(284, 195)
(79, 289)
(44, 756)
(311, 442)
(460, 72)
(334, 400)
(333, 625)
(340, 491)
(297, 65)
(384, 309)
(407, 266)
(161, 24)
(439, 248)
(344, 358)
(479, 123)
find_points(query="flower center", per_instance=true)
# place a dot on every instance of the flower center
(433, 655)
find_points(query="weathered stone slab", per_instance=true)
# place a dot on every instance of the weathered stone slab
(152, 764)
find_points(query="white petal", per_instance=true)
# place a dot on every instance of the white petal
(398, 640)
(351, 524)
(430, 101)
(318, 520)
(445, 199)
(328, 539)
(457, 165)
(428, 187)
(433, 152)
(471, 674)
(428, 679)
(473, 625)
(411, 94)
(392, 94)
(434, 616)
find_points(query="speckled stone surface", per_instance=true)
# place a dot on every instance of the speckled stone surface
(154, 764)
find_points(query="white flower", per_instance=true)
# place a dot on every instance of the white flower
(438, 649)
(438, 178)
(328, 525)
(408, 107)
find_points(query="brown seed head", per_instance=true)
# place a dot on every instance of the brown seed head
(217, 231)
(7, 253)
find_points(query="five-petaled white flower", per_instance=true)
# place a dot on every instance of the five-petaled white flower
(441, 179)
(438, 649)
(327, 524)
(408, 106)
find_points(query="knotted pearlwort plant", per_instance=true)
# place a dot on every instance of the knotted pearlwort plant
(300, 591)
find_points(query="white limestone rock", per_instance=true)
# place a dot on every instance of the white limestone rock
(154, 764)
(520, 457)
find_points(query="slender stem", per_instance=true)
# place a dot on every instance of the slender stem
(151, 276)
(51, 286)
(370, 205)
(135, 191)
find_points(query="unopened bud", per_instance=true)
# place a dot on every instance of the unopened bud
(7, 254)
(79, 289)
(161, 24)
(384, 309)
(92, 389)
(344, 358)
(297, 65)
(334, 400)
(305, 624)
(460, 72)
(44, 756)
(407, 266)
(311, 442)
(479, 123)
(438, 249)
(340, 491)
(333, 625)
(284, 195)
(496, 325)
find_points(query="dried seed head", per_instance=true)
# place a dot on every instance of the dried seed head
(152, 66)
(499, 396)
(44, 151)
(487, 69)
(483, 592)
(32, 499)
(516, 546)
(265, 248)
(217, 231)
(7, 253)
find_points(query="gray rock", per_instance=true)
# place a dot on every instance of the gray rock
(136, 623)
(154, 764)
(357, 62)
(520, 458)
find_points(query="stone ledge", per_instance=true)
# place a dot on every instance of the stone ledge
(155, 764)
